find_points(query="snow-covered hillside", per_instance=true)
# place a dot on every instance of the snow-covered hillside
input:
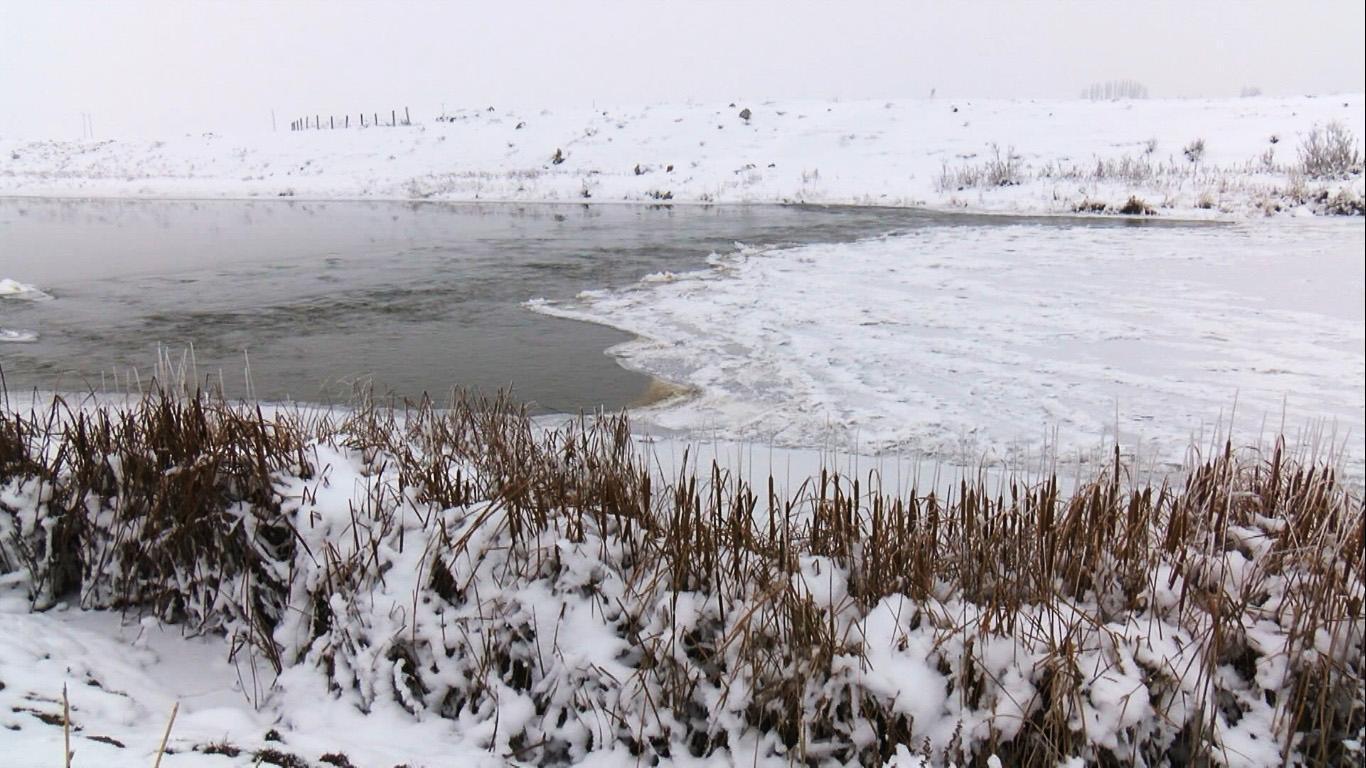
(1232, 157)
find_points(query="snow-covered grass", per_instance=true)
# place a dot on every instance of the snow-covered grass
(477, 584)
(1008, 156)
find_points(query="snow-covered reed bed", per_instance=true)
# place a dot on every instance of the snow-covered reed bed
(554, 597)
(1327, 154)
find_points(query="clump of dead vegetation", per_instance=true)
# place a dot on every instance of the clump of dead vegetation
(1327, 156)
(1330, 152)
(554, 596)
(997, 171)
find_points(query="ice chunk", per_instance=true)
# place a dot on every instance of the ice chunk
(13, 289)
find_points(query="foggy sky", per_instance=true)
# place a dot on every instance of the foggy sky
(166, 67)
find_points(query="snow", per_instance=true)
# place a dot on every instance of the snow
(901, 344)
(859, 153)
(123, 676)
(122, 680)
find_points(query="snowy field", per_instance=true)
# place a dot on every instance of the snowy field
(1060, 155)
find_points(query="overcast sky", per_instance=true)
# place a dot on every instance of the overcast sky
(148, 67)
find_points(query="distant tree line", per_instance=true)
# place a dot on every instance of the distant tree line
(1115, 89)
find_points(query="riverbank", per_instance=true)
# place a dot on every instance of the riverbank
(505, 593)
(1187, 158)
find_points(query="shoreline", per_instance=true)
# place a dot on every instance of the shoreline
(1080, 217)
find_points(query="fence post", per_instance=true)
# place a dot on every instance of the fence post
(393, 117)
(331, 125)
(317, 122)
(376, 123)
(406, 120)
(347, 120)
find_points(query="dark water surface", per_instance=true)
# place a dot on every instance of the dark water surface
(410, 298)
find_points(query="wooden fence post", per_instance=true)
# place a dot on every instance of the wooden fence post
(330, 124)
(348, 120)
(317, 122)
(406, 119)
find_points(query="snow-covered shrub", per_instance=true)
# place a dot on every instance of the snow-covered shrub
(1345, 202)
(170, 507)
(997, 171)
(1194, 151)
(1330, 152)
(1137, 206)
(558, 600)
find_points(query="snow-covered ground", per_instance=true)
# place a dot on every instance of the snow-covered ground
(123, 676)
(862, 153)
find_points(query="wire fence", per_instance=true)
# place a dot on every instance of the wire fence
(333, 122)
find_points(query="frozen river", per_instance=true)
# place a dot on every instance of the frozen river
(986, 341)
(411, 298)
(867, 329)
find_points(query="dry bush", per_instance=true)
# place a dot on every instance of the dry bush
(1194, 151)
(1137, 206)
(169, 506)
(997, 171)
(1330, 152)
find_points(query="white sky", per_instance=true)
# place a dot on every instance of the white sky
(159, 67)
